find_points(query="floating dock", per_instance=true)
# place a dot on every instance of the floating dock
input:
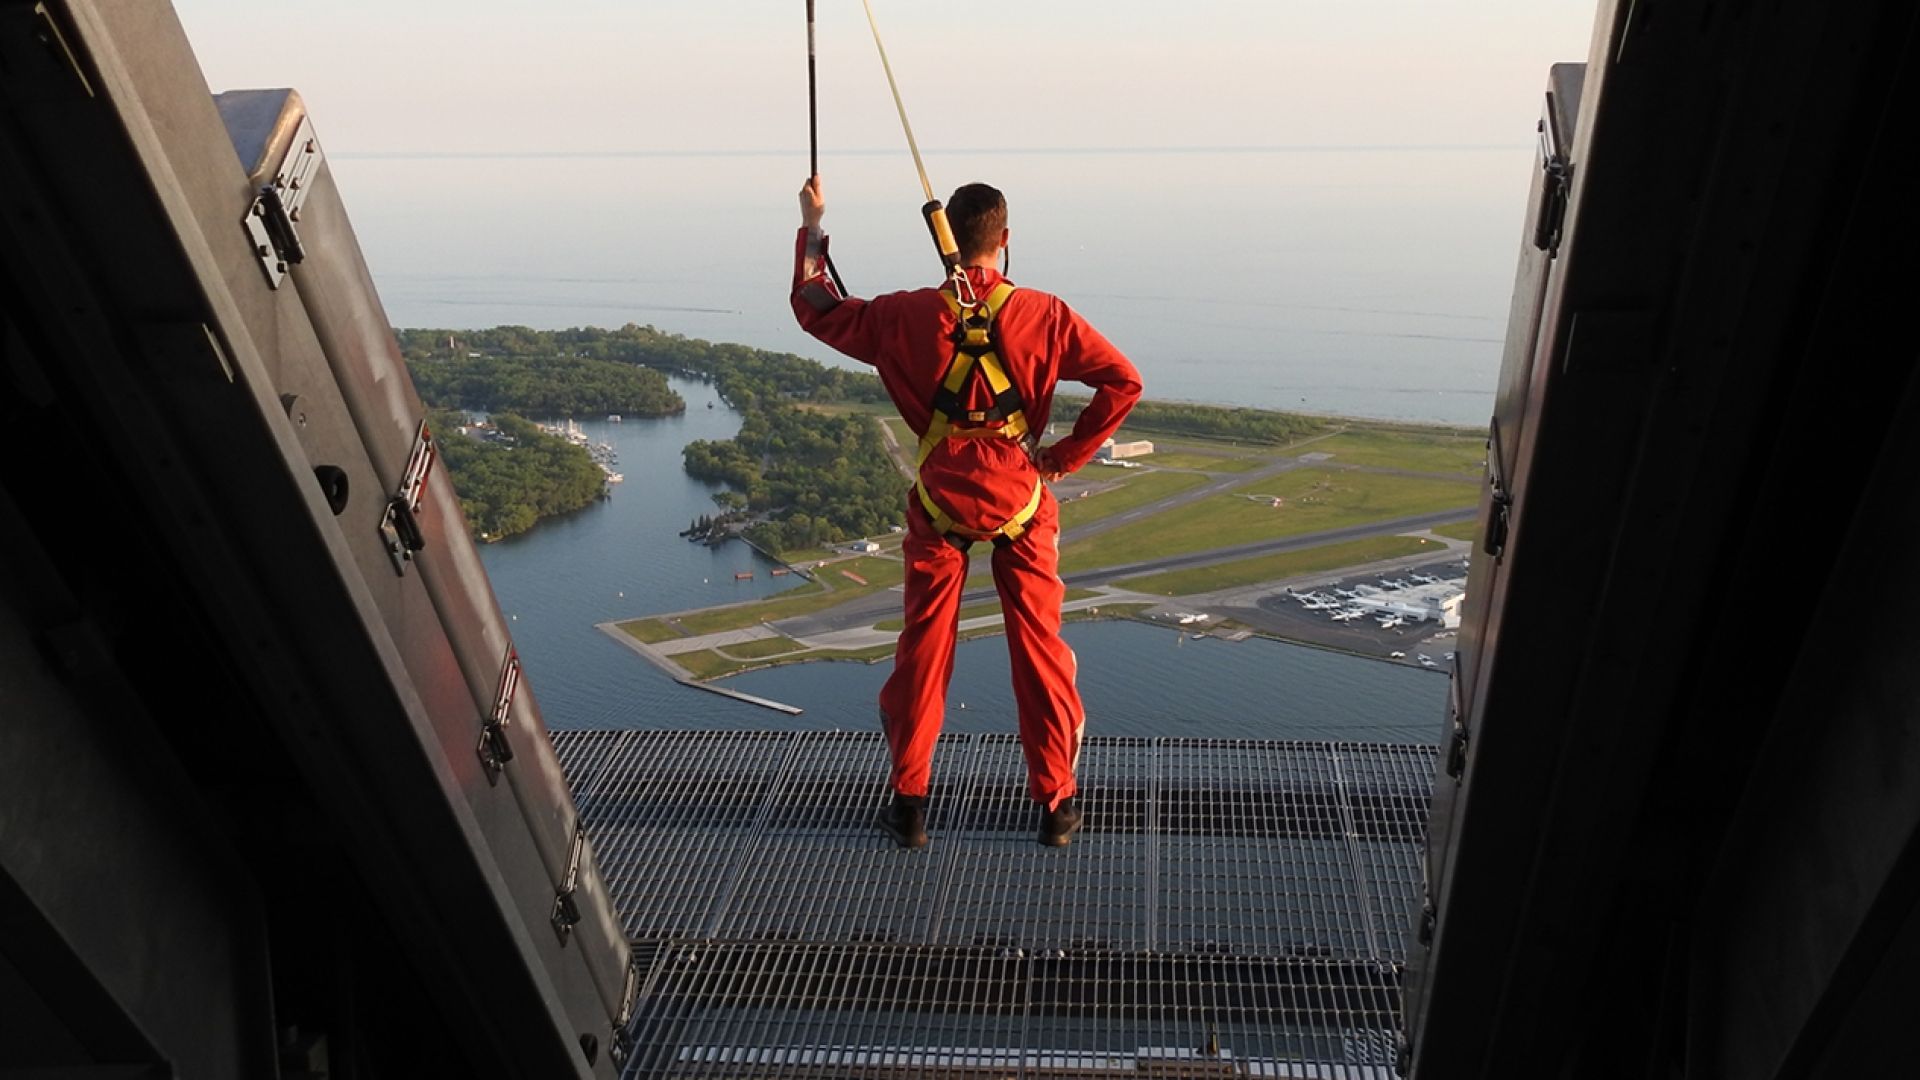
(1232, 907)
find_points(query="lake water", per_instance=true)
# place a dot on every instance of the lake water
(1364, 282)
(571, 572)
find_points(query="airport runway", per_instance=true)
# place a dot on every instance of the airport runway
(885, 605)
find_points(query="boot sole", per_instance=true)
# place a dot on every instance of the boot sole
(1060, 839)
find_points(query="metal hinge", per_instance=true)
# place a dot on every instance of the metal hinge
(1429, 920)
(1556, 180)
(566, 913)
(494, 750)
(274, 214)
(400, 525)
(622, 1043)
(1495, 542)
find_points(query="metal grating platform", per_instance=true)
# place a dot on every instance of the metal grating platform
(1232, 907)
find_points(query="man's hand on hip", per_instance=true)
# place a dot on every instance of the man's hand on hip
(1048, 465)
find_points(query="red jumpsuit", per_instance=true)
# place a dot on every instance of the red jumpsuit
(981, 483)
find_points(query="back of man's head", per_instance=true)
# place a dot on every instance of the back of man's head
(978, 214)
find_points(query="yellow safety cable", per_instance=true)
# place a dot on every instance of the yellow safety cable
(935, 214)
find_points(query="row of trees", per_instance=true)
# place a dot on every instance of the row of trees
(1211, 421)
(816, 477)
(542, 384)
(745, 375)
(511, 480)
(810, 477)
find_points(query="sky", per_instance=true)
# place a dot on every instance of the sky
(625, 76)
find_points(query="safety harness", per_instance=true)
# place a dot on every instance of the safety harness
(976, 355)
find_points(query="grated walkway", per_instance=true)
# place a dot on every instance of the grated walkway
(1232, 907)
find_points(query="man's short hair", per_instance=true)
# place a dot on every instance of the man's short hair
(977, 213)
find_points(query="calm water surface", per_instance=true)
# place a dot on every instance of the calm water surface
(1357, 282)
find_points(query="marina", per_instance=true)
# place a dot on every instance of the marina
(602, 451)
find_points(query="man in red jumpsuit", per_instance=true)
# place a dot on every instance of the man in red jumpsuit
(980, 479)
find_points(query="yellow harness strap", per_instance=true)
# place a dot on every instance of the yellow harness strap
(943, 523)
(975, 352)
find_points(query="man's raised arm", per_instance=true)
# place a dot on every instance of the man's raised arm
(841, 321)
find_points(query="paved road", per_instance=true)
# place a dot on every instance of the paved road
(901, 459)
(886, 605)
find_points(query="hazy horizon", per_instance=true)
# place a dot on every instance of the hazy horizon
(584, 75)
(1273, 203)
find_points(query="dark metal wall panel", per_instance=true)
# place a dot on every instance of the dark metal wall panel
(212, 388)
(1721, 160)
(128, 932)
(1408, 920)
(438, 603)
(1820, 873)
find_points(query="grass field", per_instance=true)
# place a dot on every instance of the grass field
(1314, 499)
(760, 648)
(1264, 568)
(1210, 462)
(867, 655)
(880, 574)
(1138, 491)
(707, 664)
(1135, 430)
(1414, 451)
(881, 409)
(649, 631)
(1460, 530)
(807, 556)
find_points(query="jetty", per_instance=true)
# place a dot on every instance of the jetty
(658, 659)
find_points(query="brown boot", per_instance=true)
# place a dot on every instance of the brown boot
(1058, 825)
(905, 819)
